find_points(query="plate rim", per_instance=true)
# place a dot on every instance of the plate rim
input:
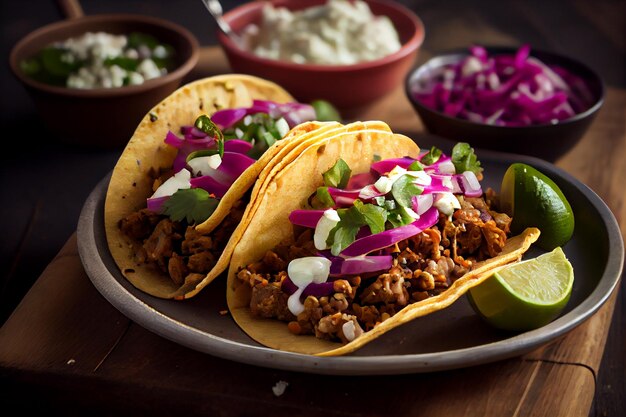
(159, 323)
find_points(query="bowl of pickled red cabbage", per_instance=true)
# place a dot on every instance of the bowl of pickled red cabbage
(512, 99)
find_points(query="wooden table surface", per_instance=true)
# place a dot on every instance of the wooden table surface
(64, 348)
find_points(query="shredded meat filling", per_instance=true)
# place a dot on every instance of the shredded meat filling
(425, 265)
(177, 248)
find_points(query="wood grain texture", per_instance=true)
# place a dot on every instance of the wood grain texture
(104, 362)
(68, 347)
(76, 352)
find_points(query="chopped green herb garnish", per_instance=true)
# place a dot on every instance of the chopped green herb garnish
(403, 189)
(324, 197)
(136, 39)
(194, 205)
(464, 158)
(351, 220)
(416, 166)
(374, 216)
(259, 129)
(431, 156)
(341, 237)
(58, 64)
(123, 62)
(344, 233)
(338, 175)
(399, 217)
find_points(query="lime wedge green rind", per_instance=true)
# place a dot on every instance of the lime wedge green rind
(533, 199)
(525, 295)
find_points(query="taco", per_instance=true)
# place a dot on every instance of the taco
(360, 233)
(175, 205)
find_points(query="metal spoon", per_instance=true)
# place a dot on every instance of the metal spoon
(215, 8)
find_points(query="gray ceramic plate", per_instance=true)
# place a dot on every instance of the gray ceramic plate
(452, 338)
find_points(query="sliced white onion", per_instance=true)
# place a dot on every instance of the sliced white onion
(202, 164)
(422, 203)
(472, 186)
(180, 181)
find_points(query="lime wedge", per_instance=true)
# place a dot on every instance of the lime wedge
(534, 200)
(525, 295)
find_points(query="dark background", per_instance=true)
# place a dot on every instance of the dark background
(43, 183)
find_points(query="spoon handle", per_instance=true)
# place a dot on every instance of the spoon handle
(71, 9)
(215, 8)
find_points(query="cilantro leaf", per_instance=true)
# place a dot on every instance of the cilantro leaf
(464, 158)
(416, 166)
(193, 204)
(324, 197)
(123, 62)
(351, 221)
(403, 190)
(399, 217)
(344, 233)
(137, 39)
(338, 175)
(206, 125)
(374, 216)
(342, 237)
(431, 156)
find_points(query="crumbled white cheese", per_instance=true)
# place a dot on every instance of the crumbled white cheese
(337, 32)
(148, 69)
(159, 52)
(279, 388)
(446, 203)
(93, 49)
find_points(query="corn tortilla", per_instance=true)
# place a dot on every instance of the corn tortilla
(146, 152)
(288, 189)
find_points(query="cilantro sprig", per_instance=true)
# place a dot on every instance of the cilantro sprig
(464, 158)
(431, 156)
(260, 129)
(194, 205)
(403, 190)
(338, 175)
(324, 198)
(351, 220)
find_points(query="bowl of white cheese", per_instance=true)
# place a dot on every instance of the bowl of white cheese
(351, 53)
(94, 78)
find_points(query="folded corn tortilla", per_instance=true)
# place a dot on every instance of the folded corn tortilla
(287, 187)
(146, 152)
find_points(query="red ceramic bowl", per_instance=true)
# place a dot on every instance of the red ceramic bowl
(348, 87)
(102, 117)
